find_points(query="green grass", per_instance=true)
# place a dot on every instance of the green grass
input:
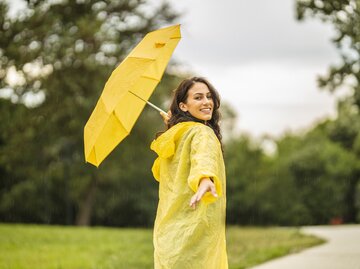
(63, 247)
(247, 247)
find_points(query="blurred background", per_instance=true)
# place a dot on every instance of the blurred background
(289, 76)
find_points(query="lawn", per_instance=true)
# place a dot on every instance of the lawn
(63, 247)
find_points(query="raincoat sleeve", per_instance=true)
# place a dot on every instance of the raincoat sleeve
(205, 157)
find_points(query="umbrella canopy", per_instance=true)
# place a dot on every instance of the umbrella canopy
(125, 93)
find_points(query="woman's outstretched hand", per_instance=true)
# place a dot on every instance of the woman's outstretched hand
(206, 185)
(166, 116)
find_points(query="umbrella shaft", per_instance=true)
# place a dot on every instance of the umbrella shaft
(150, 104)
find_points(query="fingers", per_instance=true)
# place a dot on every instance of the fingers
(213, 190)
(195, 199)
(193, 202)
(165, 116)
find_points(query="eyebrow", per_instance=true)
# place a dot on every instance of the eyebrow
(199, 93)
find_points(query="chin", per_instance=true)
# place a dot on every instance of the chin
(203, 117)
(207, 118)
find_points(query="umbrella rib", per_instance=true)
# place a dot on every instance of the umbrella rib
(152, 78)
(149, 103)
(141, 58)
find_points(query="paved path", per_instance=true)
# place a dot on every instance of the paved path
(342, 250)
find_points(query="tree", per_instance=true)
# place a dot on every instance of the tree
(322, 170)
(312, 178)
(344, 16)
(242, 160)
(64, 51)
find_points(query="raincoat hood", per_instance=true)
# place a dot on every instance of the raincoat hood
(164, 145)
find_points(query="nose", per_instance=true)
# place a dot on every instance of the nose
(206, 100)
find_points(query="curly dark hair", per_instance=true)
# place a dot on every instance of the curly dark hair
(180, 96)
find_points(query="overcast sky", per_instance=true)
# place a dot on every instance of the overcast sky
(262, 61)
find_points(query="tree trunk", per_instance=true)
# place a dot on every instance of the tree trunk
(83, 217)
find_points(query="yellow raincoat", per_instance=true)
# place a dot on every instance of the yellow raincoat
(185, 238)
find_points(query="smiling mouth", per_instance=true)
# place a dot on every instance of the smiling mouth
(206, 110)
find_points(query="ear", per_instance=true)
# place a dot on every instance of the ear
(183, 107)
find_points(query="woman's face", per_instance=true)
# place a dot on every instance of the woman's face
(199, 102)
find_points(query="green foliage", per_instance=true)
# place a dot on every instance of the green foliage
(29, 246)
(243, 168)
(321, 170)
(311, 179)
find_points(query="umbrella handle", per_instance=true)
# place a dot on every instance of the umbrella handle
(150, 104)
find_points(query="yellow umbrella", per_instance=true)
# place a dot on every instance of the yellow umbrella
(126, 93)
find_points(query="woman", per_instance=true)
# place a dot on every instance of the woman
(189, 230)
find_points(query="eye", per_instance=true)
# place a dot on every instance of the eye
(197, 97)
